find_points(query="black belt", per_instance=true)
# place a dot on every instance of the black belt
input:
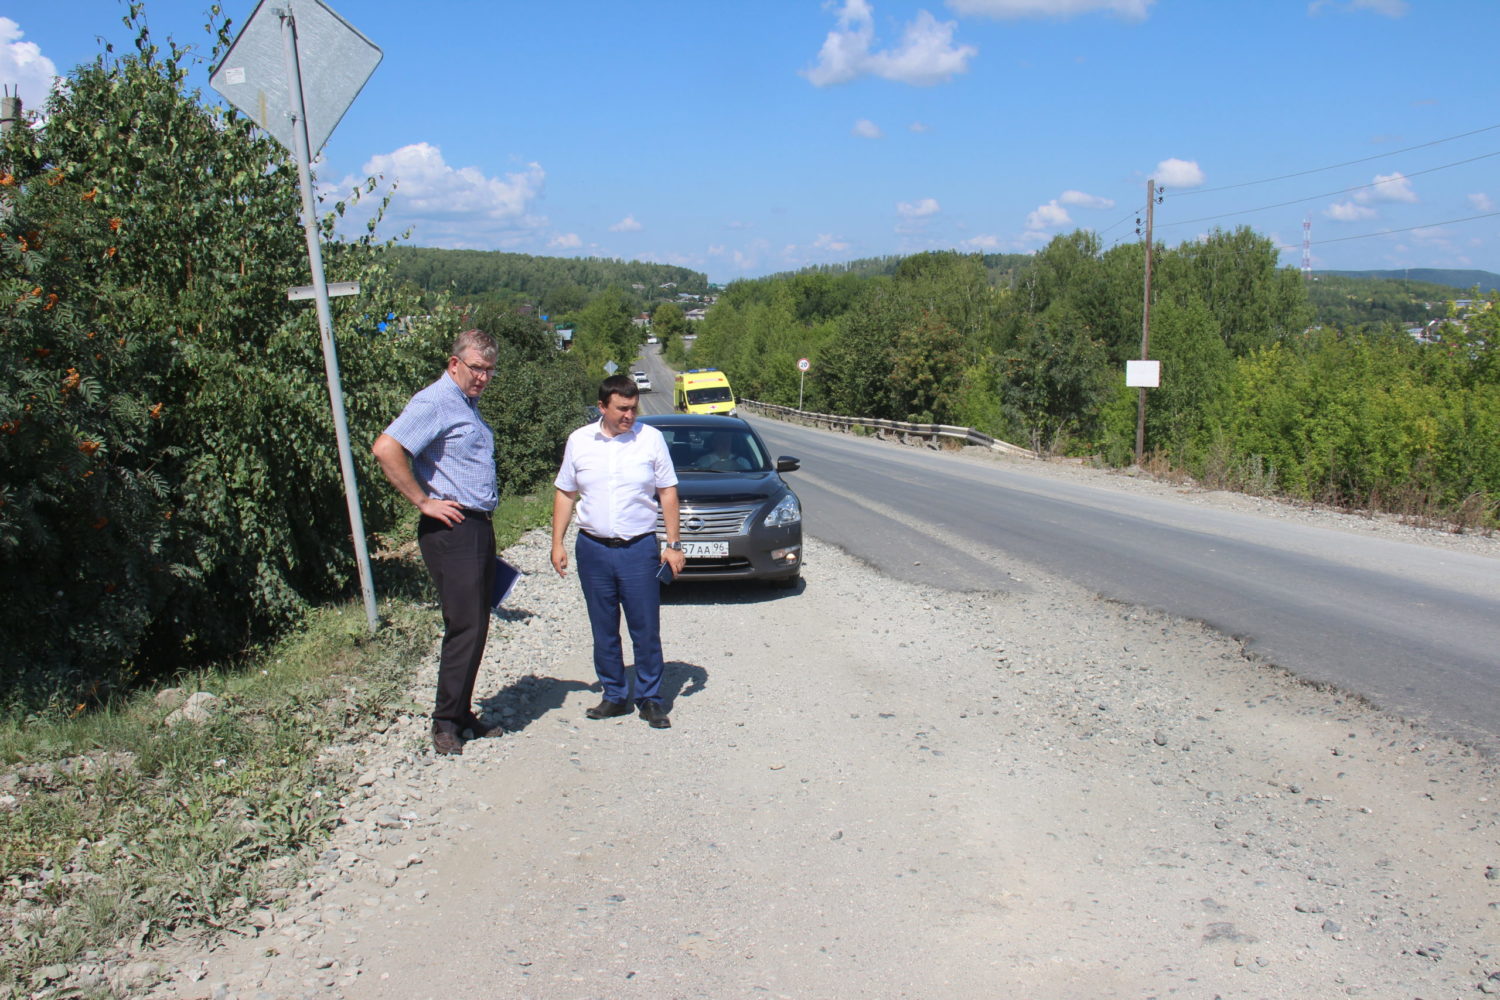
(469, 512)
(615, 543)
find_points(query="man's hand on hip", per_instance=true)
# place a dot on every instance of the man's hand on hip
(447, 511)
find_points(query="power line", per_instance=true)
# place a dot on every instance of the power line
(1336, 166)
(1326, 194)
(1406, 229)
(1191, 247)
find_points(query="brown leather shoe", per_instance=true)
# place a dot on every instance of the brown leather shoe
(445, 739)
(607, 709)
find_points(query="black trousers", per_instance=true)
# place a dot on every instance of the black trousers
(461, 560)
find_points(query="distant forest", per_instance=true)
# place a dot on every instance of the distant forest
(551, 286)
(1485, 281)
(561, 286)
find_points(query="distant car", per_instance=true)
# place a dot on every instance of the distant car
(740, 520)
(650, 340)
(642, 381)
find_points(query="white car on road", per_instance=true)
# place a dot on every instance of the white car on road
(642, 381)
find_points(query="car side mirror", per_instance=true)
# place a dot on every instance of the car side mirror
(786, 463)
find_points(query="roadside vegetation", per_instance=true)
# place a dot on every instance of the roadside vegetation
(130, 823)
(1258, 393)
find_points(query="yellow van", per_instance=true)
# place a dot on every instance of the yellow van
(702, 390)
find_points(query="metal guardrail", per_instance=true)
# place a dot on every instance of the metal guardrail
(900, 428)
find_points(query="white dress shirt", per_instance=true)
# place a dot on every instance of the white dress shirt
(616, 478)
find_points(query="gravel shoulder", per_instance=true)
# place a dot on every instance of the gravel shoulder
(877, 789)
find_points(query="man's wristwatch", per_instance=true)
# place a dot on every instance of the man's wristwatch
(675, 545)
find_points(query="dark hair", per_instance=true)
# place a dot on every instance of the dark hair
(618, 385)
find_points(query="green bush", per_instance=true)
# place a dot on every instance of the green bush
(168, 480)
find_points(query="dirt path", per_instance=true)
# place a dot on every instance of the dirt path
(877, 790)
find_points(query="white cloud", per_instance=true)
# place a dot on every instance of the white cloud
(1481, 202)
(984, 242)
(917, 209)
(919, 127)
(866, 129)
(925, 56)
(24, 67)
(565, 241)
(1389, 8)
(626, 225)
(1048, 215)
(1175, 173)
(1083, 200)
(1388, 187)
(829, 242)
(1348, 211)
(1061, 9)
(454, 206)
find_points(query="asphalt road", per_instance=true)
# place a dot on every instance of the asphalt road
(1411, 628)
(1414, 629)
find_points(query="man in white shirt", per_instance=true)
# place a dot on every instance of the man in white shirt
(615, 471)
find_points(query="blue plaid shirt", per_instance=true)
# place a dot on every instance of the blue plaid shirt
(452, 448)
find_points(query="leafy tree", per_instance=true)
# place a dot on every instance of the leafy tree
(927, 371)
(168, 486)
(668, 323)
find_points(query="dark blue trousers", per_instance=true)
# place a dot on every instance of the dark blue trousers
(616, 578)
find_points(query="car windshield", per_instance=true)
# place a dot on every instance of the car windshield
(715, 449)
(713, 394)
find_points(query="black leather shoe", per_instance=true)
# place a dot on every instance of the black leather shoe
(445, 739)
(477, 729)
(654, 713)
(607, 709)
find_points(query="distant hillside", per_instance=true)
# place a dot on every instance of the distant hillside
(1487, 281)
(555, 284)
(1002, 267)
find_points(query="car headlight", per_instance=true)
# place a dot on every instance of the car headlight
(788, 511)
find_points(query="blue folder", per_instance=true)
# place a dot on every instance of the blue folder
(506, 578)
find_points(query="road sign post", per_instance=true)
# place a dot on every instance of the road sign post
(270, 90)
(802, 367)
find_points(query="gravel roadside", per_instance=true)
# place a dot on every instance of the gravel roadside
(874, 789)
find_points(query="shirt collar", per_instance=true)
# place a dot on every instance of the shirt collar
(457, 390)
(599, 434)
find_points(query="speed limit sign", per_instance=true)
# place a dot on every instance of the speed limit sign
(802, 364)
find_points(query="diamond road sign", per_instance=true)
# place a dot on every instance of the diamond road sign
(335, 59)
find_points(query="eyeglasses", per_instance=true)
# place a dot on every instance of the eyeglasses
(479, 372)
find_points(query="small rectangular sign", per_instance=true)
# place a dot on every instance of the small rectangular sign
(1145, 374)
(335, 289)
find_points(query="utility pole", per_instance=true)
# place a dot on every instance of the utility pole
(1140, 415)
(10, 110)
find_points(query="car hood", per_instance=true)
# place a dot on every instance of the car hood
(727, 487)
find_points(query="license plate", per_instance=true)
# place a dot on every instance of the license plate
(705, 550)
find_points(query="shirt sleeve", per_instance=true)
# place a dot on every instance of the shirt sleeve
(567, 475)
(417, 426)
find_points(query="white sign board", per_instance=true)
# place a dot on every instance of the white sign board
(1144, 374)
(802, 364)
(336, 60)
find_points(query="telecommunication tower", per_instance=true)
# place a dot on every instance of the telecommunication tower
(1306, 247)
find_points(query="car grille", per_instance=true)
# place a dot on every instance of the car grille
(711, 521)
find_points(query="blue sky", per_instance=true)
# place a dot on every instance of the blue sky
(742, 139)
